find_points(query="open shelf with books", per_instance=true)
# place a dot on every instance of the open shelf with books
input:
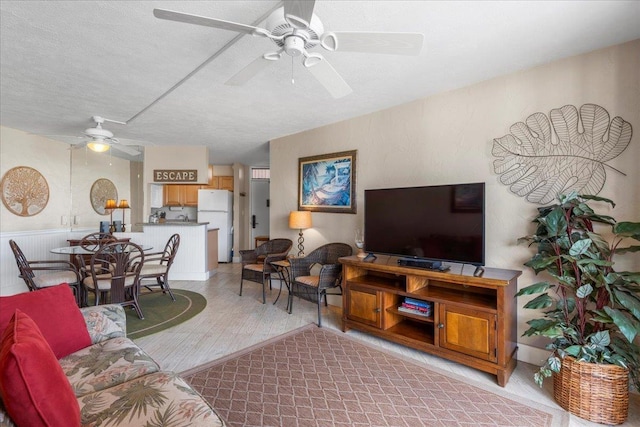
(468, 319)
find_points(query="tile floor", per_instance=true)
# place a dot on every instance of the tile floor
(231, 322)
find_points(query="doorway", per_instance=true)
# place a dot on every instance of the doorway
(259, 204)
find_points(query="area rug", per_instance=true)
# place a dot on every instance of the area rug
(319, 377)
(160, 312)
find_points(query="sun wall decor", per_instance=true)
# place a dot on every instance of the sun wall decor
(25, 191)
(538, 166)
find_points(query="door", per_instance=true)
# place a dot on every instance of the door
(259, 208)
(468, 331)
(364, 305)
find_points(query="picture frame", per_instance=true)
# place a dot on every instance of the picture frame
(466, 198)
(327, 183)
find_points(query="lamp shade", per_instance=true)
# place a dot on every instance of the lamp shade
(300, 219)
(98, 146)
(110, 204)
(124, 204)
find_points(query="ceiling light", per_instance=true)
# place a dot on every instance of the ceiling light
(99, 146)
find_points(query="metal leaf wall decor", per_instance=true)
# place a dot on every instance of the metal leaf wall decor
(539, 167)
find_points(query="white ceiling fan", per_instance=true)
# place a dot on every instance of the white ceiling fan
(101, 140)
(296, 30)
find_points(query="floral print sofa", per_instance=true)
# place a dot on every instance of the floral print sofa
(117, 384)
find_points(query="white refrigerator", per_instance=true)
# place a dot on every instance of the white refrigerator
(216, 208)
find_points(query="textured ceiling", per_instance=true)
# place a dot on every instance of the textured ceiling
(62, 62)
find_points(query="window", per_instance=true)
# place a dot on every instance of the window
(260, 173)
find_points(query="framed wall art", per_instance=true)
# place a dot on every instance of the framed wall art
(327, 183)
(101, 191)
(25, 191)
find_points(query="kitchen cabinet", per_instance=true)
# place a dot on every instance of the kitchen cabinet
(181, 195)
(219, 182)
(472, 320)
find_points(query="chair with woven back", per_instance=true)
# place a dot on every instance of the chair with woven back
(157, 265)
(45, 273)
(256, 263)
(113, 274)
(329, 275)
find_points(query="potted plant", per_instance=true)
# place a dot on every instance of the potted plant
(593, 316)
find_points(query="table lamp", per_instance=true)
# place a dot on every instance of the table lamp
(124, 204)
(111, 205)
(300, 220)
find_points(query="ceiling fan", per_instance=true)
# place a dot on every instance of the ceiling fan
(101, 140)
(296, 30)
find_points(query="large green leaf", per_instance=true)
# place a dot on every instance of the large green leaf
(541, 301)
(601, 339)
(539, 263)
(600, 243)
(556, 222)
(626, 325)
(628, 229)
(584, 291)
(598, 199)
(629, 301)
(628, 249)
(536, 288)
(580, 247)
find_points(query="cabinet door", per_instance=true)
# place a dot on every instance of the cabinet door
(191, 195)
(172, 195)
(468, 331)
(225, 183)
(363, 305)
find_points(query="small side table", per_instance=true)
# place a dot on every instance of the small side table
(283, 268)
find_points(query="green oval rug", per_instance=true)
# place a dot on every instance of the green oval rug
(161, 313)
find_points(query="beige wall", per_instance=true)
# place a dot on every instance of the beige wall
(448, 138)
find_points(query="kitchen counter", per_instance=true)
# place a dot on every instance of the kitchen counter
(174, 223)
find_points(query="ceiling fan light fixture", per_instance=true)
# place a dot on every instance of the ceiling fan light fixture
(294, 45)
(329, 41)
(98, 146)
(311, 59)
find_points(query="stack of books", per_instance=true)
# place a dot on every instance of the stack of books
(416, 306)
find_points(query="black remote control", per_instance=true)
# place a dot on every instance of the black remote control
(369, 258)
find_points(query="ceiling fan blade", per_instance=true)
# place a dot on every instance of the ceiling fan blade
(250, 71)
(126, 149)
(387, 43)
(330, 79)
(299, 12)
(202, 20)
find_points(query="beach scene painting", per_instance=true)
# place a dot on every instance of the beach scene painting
(327, 182)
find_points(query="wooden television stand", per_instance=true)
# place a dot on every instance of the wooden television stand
(472, 320)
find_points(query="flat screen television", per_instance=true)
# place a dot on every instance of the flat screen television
(441, 223)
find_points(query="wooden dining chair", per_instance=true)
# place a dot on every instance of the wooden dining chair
(42, 274)
(113, 274)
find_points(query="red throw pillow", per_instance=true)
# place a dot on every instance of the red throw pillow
(33, 386)
(55, 312)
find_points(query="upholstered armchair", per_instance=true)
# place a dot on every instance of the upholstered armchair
(329, 275)
(256, 263)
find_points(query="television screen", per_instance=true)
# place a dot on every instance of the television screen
(444, 222)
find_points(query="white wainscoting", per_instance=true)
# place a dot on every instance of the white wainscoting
(190, 262)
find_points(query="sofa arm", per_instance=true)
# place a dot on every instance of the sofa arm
(105, 322)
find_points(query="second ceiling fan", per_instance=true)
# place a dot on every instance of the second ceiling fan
(295, 30)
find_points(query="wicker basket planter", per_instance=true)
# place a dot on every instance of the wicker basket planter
(598, 393)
